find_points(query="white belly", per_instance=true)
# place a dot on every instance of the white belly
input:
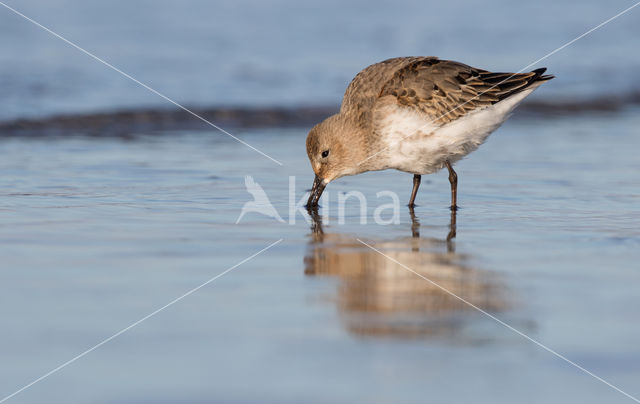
(415, 145)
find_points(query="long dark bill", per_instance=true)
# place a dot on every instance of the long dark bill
(316, 192)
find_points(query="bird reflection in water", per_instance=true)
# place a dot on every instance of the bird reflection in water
(378, 297)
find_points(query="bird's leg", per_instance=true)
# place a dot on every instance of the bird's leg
(453, 179)
(414, 191)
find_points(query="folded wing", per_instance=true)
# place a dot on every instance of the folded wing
(446, 90)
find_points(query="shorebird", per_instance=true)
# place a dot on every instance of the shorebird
(414, 114)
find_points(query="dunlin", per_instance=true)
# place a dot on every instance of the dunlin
(414, 114)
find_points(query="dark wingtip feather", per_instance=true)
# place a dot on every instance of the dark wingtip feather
(540, 77)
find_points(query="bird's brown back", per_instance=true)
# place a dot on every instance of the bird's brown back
(364, 90)
(444, 90)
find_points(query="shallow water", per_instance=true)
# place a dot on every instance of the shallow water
(97, 233)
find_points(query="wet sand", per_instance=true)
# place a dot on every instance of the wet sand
(96, 232)
(113, 203)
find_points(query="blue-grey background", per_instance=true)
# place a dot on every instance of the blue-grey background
(290, 53)
(97, 232)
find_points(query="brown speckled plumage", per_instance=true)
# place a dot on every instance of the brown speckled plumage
(414, 114)
(443, 89)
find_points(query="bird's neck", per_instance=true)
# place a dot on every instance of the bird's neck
(355, 144)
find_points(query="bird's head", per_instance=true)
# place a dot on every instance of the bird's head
(334, 150)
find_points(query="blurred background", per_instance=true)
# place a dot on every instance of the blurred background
(113, 203)
(283, 53)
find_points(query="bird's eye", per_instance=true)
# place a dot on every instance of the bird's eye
(325, 153)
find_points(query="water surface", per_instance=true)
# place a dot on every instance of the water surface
(96, 233)
(105, 218)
